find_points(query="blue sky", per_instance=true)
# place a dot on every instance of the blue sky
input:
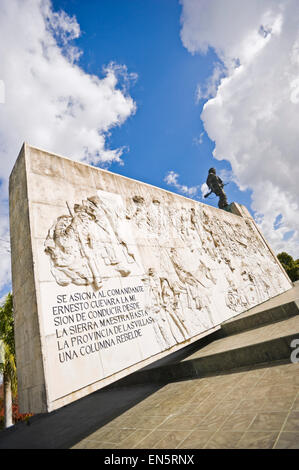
(162, 91)
(164, 133)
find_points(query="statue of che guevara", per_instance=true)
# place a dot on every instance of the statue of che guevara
(215, 185)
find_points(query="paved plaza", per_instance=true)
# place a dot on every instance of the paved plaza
(250, 409)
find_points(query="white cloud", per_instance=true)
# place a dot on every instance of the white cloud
(2, 92)
(172, 180)
(5, 272)
(50, 102)
(253, 114)
(198, 140)
(204, 189)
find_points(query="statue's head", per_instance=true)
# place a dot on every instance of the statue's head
(212, 170)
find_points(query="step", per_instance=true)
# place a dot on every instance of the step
(267, 343)
(281, 307)
(260, 334)
(281, 332)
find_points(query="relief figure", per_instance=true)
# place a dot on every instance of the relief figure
(154, 305)
(82, 245)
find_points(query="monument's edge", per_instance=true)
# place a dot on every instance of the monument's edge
(126, 178)
(21, 155)
(40, 384)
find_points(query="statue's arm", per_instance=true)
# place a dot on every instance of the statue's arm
(208, 194)
(220, 182)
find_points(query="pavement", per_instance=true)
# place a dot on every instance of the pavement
(256, 408)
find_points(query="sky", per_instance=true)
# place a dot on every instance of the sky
(158, 91)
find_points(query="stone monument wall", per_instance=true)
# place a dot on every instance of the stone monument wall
(110, 274)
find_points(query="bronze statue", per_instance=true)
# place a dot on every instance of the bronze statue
(215, 185)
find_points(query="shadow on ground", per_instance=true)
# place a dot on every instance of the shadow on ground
(63, 428)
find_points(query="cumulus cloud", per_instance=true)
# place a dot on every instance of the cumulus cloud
(50, 102)
(252, 113)
(172, 180)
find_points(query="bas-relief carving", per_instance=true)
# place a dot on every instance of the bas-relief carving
(201, 262)
(88, 244)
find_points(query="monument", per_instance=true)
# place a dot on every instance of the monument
(110, 274)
